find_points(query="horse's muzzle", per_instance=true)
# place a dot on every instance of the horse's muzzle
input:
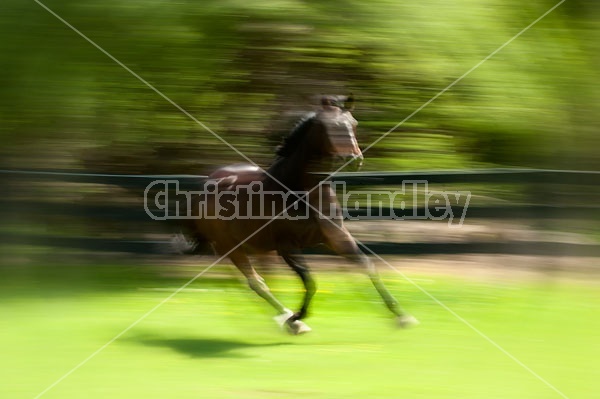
(353, 162)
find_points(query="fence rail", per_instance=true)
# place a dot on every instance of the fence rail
(126, 215)
(492, 176)
(129, 214)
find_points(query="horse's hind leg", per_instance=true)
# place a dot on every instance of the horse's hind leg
(258, 285)
(298, 264)
(255, 281)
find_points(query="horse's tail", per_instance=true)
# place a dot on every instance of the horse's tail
(188, 241)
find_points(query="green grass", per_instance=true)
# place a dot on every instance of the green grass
(221, 343)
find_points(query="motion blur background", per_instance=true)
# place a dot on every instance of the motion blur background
(248, 70)
(245, 68)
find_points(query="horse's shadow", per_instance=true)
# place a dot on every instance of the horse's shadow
(206, 347)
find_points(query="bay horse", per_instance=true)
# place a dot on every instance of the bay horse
(330, 132)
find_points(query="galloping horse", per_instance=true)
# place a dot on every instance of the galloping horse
(259, 196)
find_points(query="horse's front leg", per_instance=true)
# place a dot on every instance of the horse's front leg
(404, 319)
(298, 264)
(341, 241)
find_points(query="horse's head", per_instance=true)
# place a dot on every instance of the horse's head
(340, 128)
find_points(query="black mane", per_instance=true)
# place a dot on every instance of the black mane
(293, 140)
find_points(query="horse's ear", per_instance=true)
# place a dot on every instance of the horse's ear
(349, 103)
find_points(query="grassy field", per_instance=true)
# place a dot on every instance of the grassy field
(216, 340)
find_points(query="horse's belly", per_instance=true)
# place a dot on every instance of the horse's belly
(243, 214)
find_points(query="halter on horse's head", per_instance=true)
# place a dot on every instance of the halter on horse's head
(340, 127)
(331, 131)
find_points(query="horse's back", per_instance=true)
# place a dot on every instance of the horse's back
(259, 233)
(239, 174)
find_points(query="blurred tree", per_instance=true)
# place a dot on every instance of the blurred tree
(249, 69)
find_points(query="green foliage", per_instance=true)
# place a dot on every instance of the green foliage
(248, 69)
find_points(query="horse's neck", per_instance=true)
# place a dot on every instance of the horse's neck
(289, 171)
(293, 170)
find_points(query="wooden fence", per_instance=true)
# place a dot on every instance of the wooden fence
(535, 179)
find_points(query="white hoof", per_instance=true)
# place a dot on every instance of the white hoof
(298, 327)
(282, 318)
(407, 321)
